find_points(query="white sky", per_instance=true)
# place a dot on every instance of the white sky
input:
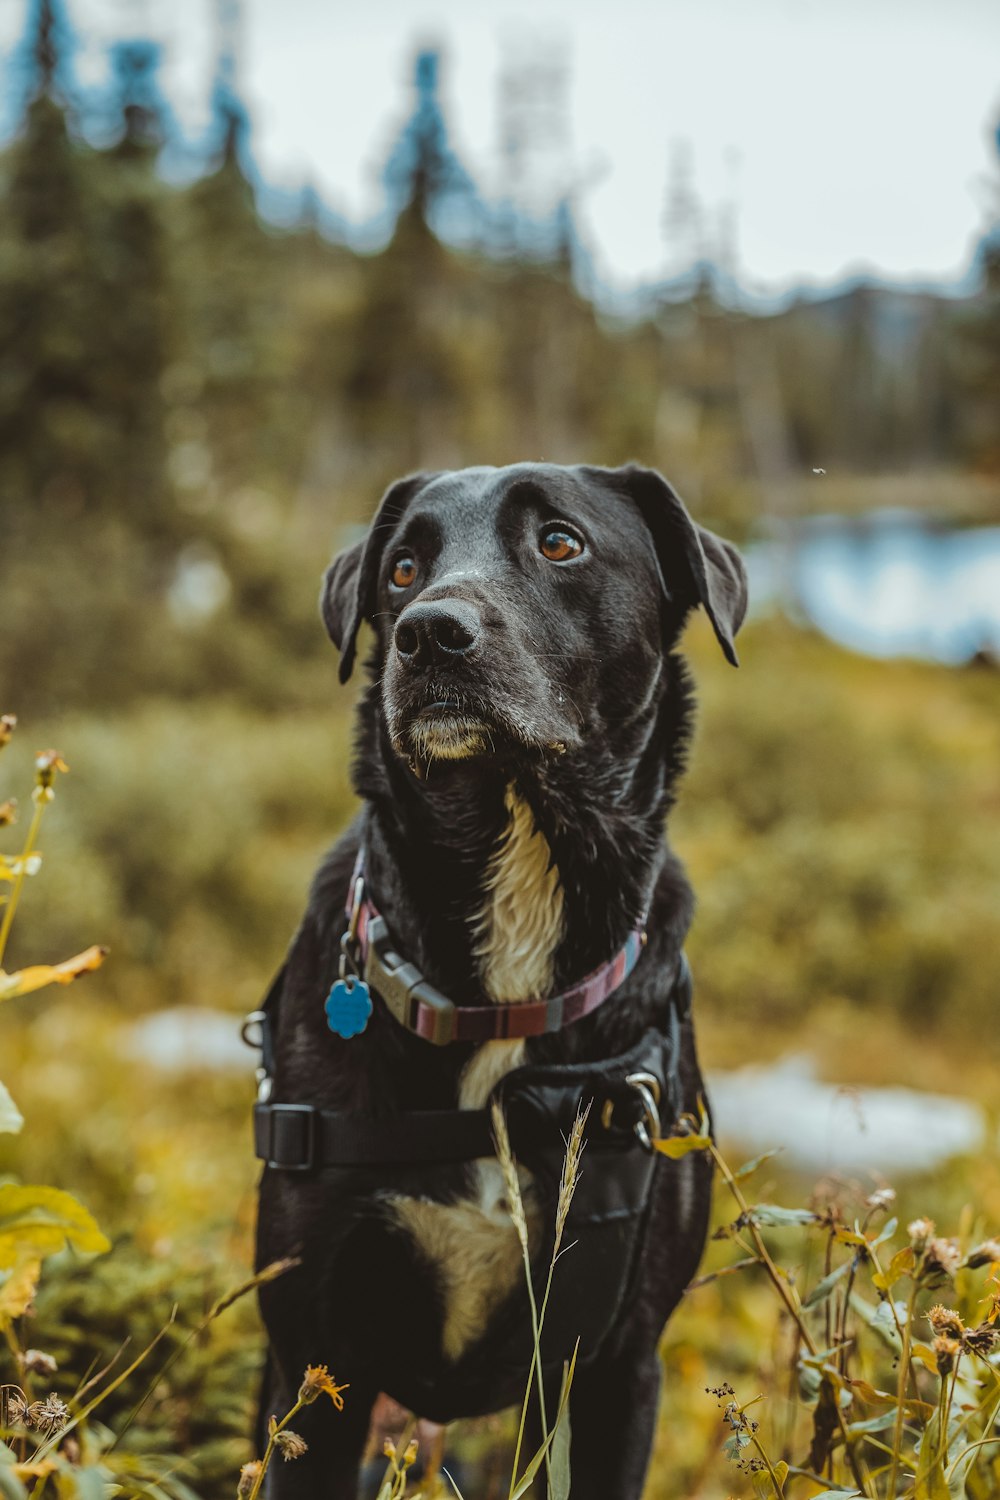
(854, 134)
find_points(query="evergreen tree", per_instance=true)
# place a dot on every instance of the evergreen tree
(230, 318)
(137, 283)
(54, 436)
(976, 356)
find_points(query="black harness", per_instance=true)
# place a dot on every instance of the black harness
(633, 1099)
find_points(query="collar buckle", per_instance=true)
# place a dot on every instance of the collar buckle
(407, 995)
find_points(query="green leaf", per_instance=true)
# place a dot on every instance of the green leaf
(823, 1288)
(536, 1463)
(559, 1474)
(751, 1166)
(931, 1482)
(11, 1487)
(771, 1216)
(84, 1484)
(11, 1119)
(872, 1424)
(38, 1221)
(879, 1320)
(886, 1233)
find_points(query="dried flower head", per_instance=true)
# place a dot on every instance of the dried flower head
(920, 1231)
(389, 1449)
(982, 1340)
(882, 1198)
(8, 812)
(8, 723)
(13, 1406)
(35, 1362)
(47, 763)
(947, 1351)
(410, 1456)
(316, 1382)
(946, 1322)
(986, 1254)
(290, 1445)
(249, 1474)
(941, 1258)
(50, 1415)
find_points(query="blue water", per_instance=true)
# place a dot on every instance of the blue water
(889, 584)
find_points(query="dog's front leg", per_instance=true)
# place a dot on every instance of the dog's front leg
(329, 1468)
(613, 1406)
(311, 1323)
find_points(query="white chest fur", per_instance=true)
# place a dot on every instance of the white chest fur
(472, 1243)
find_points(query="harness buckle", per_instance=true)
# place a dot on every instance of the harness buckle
(290, 1130)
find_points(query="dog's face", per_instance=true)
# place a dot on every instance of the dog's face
(525, 608)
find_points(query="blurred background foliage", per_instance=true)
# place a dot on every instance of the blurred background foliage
(196, 409)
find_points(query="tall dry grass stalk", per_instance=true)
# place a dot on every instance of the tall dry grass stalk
(569, 1178)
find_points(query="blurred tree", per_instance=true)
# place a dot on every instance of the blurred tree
(224, 263)
(977, 356)
(137, 339)
(403, 381)
(423, 176)
(55, 439)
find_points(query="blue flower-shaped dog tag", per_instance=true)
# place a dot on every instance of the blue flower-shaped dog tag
(348, 1007)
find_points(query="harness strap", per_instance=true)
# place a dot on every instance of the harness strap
(301, 1138)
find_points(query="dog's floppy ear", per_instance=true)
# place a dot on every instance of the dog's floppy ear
(695, 565)
(348, 593)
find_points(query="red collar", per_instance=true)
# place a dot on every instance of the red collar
(422, 1009)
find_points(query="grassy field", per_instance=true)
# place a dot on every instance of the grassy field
(839, 824)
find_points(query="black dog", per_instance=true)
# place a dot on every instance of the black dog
(518, 751)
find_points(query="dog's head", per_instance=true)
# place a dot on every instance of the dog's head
(528, 607)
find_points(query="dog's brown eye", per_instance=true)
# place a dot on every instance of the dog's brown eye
(558, 545)
(404, 571)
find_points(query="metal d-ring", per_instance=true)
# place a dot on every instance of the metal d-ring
(250, 1038)
(647, 1086)
(255, 1039)
(647, 1130)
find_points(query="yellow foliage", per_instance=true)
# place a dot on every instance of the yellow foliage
(18, 1291)
(38, 1221)
(37, 976)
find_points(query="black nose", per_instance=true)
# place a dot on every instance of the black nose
(436, 631)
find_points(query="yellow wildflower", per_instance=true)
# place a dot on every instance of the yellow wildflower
(317, 1381)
